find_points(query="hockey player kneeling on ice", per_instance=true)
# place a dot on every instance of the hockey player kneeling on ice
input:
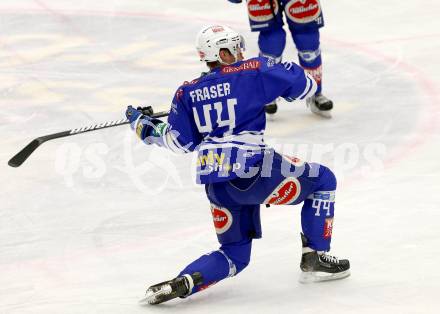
(221, 116)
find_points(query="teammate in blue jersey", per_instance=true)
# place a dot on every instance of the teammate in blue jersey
(304, 19)
(221, 117)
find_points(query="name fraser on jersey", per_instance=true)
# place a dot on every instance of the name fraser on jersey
(213, 91)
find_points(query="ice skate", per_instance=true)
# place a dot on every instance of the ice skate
(318, 266)
(271, 108)
(320, 105)
(168, 290)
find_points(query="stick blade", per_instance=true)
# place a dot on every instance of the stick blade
(24, 154)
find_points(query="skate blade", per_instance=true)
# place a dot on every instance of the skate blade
(148, 300)
(325, 114)
(152, 297)
(310, 277)
(322, 113)
(143, 301)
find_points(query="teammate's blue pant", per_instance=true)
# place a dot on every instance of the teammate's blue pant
(304, 30)
(273, 41)
(235, 206)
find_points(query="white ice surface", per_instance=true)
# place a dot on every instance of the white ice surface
(88, 222)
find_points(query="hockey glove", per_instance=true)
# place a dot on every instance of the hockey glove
(148, 129)
(133, 114)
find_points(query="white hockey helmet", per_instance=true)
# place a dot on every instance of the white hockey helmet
(211, 39)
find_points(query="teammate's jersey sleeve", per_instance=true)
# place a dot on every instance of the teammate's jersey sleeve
(287, 80)
(183, 134)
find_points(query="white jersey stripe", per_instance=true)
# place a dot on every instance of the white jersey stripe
(244, 137)
(230, 145)
(311, 87)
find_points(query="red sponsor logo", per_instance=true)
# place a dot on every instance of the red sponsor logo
(245, 66)
(222, 218)
(261, 10)
(201, 55)
(328, 228)
(303, 11)
(179, 93)
(285, 193)
(217, 29)
(316, 73)
(190, 82)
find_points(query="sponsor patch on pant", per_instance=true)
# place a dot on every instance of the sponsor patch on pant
(285, 193)
(328, 228)
(262, 10)
(222, 218)
(303, 11)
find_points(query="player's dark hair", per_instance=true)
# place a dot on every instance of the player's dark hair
(215, 64)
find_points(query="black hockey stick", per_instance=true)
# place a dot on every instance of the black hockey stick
(24, 154)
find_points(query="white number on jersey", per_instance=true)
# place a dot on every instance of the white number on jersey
(218, 107)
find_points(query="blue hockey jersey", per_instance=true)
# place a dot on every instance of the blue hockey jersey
(221, 115)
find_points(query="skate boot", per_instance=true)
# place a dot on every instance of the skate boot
(271, 108)
(318, 266)
(178, 287)
(320, 105)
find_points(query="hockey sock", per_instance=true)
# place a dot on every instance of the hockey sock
(309, 53)
(226, 262)
(318, 212)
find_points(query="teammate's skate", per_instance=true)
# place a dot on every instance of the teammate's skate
(271, 108)
(320, 105)
(167, 290)
(318, 266)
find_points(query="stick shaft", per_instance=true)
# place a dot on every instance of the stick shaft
(24, 154)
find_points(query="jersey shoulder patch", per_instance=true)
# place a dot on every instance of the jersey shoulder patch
(246, 65)
(180, 90)
(194, 81)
